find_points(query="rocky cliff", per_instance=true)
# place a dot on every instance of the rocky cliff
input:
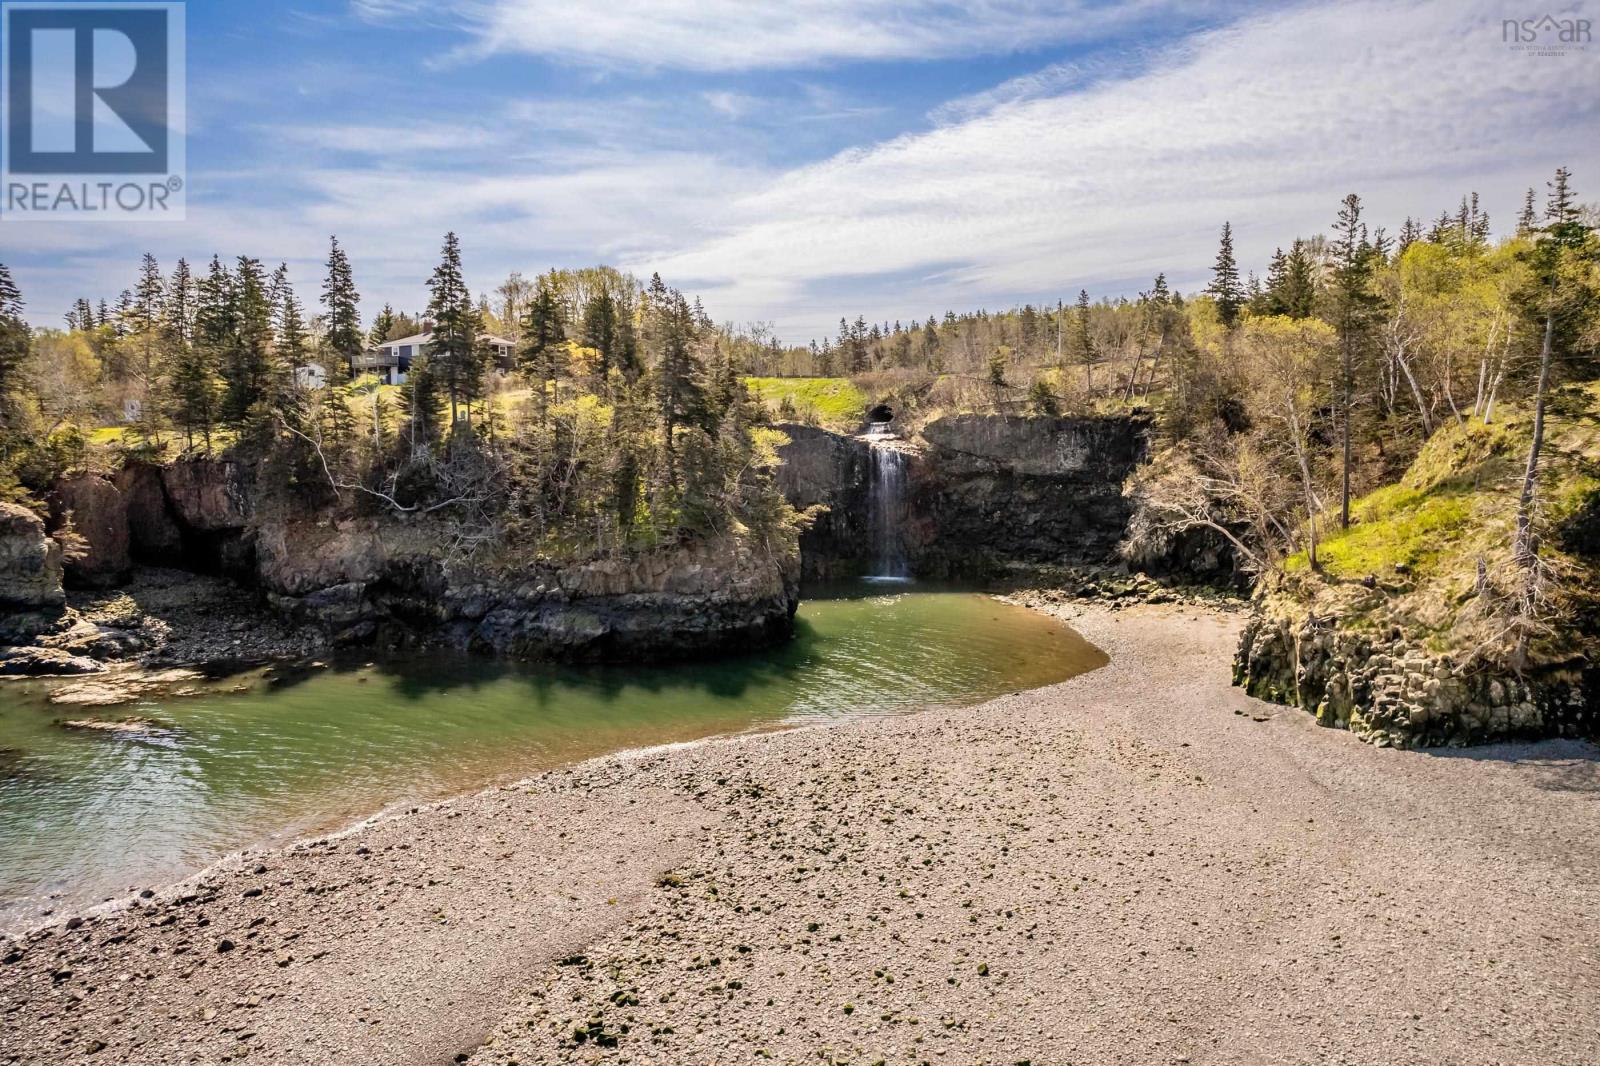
(984, 492)
(830, 470)
(1391, 692)
(991, 490)
(385, 582)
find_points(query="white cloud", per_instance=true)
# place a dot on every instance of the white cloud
(1266, 124)
(727, 35)
(1029, 191)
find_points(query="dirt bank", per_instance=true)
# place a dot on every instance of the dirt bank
(1141, 865)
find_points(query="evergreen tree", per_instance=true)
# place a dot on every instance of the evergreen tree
(611, 335)
(15, 340)
(453, 351)
(382, 326)
(544, 340)
(247, 365)
(290, 320)
(678, 390)
(343, 318)
(1354, 304)
(1224, 285)
(1083, 341)
(1528, 219)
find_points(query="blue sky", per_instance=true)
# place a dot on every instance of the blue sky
(797, 162)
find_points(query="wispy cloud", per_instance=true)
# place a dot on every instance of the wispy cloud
(731, 35)
(1266, 123)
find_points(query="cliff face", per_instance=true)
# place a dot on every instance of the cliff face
(983, 491)
(990, 490)
(832, 470)
(370, 581)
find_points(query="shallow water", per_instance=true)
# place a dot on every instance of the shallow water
(88, 814)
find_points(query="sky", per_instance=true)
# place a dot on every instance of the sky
(796, 162)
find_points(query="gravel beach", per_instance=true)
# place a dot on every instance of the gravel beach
(1140, 865)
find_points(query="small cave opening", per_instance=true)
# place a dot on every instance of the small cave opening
(880, 415)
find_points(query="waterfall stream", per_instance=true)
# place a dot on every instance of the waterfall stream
(886, 501)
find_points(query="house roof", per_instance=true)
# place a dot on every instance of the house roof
(424, 338)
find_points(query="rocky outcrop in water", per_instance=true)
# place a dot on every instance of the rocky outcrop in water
(1391, 692)
(384, 582)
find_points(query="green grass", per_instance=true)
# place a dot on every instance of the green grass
(1395, 528)
(832, 402)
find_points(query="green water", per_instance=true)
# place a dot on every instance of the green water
(85, 815)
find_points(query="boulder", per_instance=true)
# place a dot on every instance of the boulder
(30, 562)
(153, 533)
(44, 662)
(98, 516)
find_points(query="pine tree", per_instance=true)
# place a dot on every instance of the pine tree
(1083, 342)
(544, 340)
(1528, 220)
(247, 365)
(1354, 304)
(1224, 285)
(453, 351)
(15, 340)
(382, 326)
(343, 318)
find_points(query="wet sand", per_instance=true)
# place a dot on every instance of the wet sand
(1140, 865)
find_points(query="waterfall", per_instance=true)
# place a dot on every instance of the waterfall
(886, 502)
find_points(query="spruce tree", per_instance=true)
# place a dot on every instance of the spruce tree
(453, 351)
(382, 326)
(289, 319)
(1527, 220)
(1225, 287)
(15, 340)
(343, 318)
(1083, 341)
(678, 390)
(1354, 305)
(607, 330)
(544, 339)
(247, 368)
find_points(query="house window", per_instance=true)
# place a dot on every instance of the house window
(404, 351)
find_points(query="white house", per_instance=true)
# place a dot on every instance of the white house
(310, 376)
(392, 360)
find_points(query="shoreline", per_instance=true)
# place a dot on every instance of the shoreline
(1017, 877)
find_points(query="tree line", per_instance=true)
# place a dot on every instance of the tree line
(623, 423)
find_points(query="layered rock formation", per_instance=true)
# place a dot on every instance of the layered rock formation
(830, 470)
(1393, 693)
(30, 562)
(984, 491)
(386, 582)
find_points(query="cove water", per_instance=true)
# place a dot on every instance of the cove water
(88, 814)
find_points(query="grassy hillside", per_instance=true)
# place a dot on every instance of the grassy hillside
(831, 402)
(1413, 553)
